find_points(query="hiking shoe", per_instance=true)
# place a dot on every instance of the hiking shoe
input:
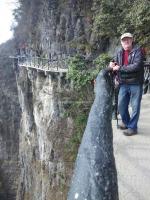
(122, 126)
(129, 132)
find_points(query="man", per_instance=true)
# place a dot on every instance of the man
(128, 64)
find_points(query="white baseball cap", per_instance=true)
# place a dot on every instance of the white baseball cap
(129, 35)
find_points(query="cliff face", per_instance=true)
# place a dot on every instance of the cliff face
(65, 27)
(43, 135)
(9, 125)
(55, 28)
(46, 28)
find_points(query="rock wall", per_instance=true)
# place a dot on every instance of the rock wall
(48, 28)
(9, 125)
(43, 135)
(56, 28)
(66, 27)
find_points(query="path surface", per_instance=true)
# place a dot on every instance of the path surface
(132, 156)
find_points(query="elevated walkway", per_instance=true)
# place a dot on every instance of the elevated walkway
(132, 156)
(41, 64)
(60, 64)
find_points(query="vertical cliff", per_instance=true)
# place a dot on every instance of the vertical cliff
(43, 135)
(37, 126)
(9, 125)
(57, 27)
(50, 28)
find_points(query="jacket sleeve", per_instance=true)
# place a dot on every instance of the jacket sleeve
(115, 58)
(136, 64)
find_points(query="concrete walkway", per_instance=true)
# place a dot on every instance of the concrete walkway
(132, 156)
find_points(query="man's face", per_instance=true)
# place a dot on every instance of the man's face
(127, 43)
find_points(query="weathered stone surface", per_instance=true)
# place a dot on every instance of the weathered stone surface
(9, 126)
(44, 132)
(95, 176)
(50, 28)
(45, 174)
(56, 27)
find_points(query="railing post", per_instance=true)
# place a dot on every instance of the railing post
(18, 60)
(57, 62)
(44, 63)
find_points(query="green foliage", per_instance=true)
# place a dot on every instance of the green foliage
(113, 17)
(101, 62)
(107, 17)
(139, 20)
(78, 72)
(82, 72)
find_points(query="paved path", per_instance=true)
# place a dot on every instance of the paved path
(132, 156)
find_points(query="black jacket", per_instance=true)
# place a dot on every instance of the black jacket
(133, 73)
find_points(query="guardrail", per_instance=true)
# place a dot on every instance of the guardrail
(56, 65)
(42, 64)
(146, 85)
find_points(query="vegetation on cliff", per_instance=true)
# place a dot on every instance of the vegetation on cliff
(54, 27)
(108, 18)
(114, 17)
(82, 73)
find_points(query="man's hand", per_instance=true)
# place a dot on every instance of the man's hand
(116, 68)
(112, 64)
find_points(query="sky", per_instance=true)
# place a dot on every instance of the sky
(6, 19)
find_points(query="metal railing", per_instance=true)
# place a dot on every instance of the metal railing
(44, 64)
(146, 70)
(146, 85)
(59, 64)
